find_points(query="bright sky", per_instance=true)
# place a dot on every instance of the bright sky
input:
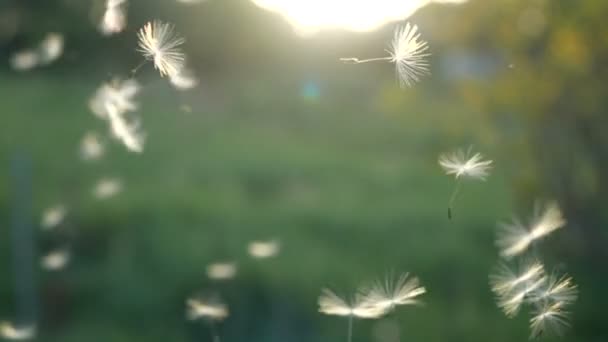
(310, 16)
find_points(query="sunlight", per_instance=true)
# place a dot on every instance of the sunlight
(310, 16)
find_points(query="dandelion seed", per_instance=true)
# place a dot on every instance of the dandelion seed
(55, 260)
(515, 238)
(511, 302)
(504, 280)
(127, 132)
(557, 289)
(53, 216)
(549, 319)
(107, 188)
(24, 60)
(91, 147)
(211, 309)
(117, 94)
(263, 249)
(392, 293)
(159, 43)
(184, 79)
(114, 19)
(331, 304)
(11, 332)
(359, 307)
(221, 270)
(462, 165)
(408, 52)
(51, 48)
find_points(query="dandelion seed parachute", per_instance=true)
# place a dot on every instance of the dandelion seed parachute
(514, 237)
(462, 164)
(9, 331)
(394, 292)
(263, 249)
(160, 44)
(53, 216)
(114, 19)
(332, 304)
(557, 289)
(212, 309)
(408, 52)
(549, 319)
(91, 147)
(221, 270)
(55, 260)
(51, 48)
(106, 188)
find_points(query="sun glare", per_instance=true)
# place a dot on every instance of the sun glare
(310, 16)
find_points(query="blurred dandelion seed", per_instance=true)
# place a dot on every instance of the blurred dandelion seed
(515, 238)
(549, 319)
(211, 309)
(114, 19)
(55, 260)
(118, 94)
(394, 292)
(91, 147)
(462, 165)
(53, 216)
(11, 332)
(107, 188)
(558, 289)
(24, 60)
(51, 48)
(263, 249)
(221, 270)
(184, 79)
(511, 302)
(128, 132)
(159, 43)
(359, 307)
(407, 51)
(504, 280)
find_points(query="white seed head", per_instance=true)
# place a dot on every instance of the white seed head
(263, 249)
(128, 132)
(504, 280)
(184, 79)
(51, 48)
(462, 164)
(211, 309)
(557, 289)
(24, 60)
(114, 18)
(221, 270)
(549, 319)
(55, 260)
(394, 292)
(159, 43)
(53, 216)
(9, 331)
(409, 53)
(332, 304)
(91, 147)
(118, 94)
(510, 302)
(106, 188)
(515, 238)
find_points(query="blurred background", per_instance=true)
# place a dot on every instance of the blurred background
(281, 141)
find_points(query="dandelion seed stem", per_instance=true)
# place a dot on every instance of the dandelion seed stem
(350, 328)
(214, 333)
(134, 70)
(453, 198)
(353, 60)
